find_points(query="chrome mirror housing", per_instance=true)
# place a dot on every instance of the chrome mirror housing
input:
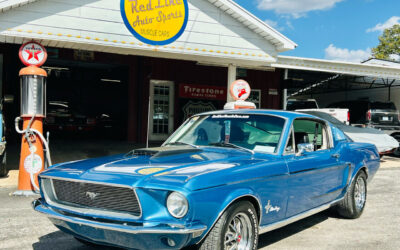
(305, 147)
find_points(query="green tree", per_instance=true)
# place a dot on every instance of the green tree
(389, 43)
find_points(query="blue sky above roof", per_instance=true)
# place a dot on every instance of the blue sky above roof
(343, 30)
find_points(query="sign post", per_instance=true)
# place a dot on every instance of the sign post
(33, 110)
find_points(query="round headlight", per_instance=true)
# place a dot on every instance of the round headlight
(177, 205)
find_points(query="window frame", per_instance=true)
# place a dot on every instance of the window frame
(326, 127)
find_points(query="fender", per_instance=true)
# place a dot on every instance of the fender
(360, 167)
(230, 199)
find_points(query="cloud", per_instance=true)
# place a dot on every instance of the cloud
(274, 24)
(296, 8)
(339, 54)
(382, 26)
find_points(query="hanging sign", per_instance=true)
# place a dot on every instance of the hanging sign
(32, 54)
(240, 90)
(155, 22)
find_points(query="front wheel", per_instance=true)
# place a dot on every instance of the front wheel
(353, 203)
(237, 228)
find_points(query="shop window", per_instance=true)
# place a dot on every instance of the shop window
(255, 97)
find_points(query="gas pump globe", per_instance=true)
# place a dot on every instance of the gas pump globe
(240, 90)
(33, 93)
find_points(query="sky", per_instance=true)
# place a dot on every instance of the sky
(344, 30)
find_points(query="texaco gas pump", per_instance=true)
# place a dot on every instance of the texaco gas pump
(33, 111)
(240, 90)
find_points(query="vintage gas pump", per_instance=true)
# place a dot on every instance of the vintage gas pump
(33, 111)
(240, 90)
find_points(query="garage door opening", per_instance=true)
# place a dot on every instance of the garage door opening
(86, 100)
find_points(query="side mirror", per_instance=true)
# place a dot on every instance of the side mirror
(304, 147)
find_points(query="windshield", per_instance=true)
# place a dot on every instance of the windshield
(260, 133)
(383, 105)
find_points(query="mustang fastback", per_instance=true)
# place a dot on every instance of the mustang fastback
(219, 181)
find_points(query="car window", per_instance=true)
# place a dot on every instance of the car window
(310, 131)
(383, 105)
(338, 134)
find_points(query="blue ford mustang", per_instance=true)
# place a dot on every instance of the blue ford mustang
(219, 181)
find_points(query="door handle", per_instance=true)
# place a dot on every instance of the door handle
(335, 156)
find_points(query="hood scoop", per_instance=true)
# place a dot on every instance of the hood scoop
(158, 152)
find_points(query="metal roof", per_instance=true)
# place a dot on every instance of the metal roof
(242, 15)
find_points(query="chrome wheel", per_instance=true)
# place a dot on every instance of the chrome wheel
(360, 193)
(239, 233)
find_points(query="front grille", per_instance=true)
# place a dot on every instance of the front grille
(97, 196)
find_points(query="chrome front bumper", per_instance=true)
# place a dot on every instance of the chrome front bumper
(152, 234)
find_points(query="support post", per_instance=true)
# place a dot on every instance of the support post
(231, 79)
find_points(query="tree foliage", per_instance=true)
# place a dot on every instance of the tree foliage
(389, 43)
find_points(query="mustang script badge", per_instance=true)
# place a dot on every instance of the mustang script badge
(92, 195)
(270, 208)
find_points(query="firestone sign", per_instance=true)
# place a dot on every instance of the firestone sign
(202, 92)
(155, 22)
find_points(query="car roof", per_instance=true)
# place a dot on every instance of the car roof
(281, 113)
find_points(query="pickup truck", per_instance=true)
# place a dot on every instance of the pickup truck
(378, 115)
(342, 114)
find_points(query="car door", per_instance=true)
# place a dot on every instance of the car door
(314, 177)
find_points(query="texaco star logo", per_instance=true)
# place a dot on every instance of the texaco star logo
(32, 53)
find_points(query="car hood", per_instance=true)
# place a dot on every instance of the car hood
(157, 167)
(382, 141)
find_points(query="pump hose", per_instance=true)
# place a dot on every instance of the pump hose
(29, 132)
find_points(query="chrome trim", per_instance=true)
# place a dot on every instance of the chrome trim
(292, 219)
(90, 211)
(223, 210)
(166, 229)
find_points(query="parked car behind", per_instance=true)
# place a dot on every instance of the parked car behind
(379, 115)
(385, 143)
(62, 116)
(219, 181)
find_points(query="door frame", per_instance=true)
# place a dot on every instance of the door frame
(171, 85)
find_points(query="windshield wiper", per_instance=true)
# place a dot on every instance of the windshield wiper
(231, 145)
(181, 143)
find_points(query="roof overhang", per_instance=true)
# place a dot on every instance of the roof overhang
(337, 67)
(11, 4)
(259, 51)
(281, 42)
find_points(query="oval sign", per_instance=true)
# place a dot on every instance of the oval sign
(240, 90)
(32, 54)
(155, 22)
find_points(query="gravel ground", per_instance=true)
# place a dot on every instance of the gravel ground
(378, 227)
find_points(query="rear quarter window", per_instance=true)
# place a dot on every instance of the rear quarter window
(338, 134)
